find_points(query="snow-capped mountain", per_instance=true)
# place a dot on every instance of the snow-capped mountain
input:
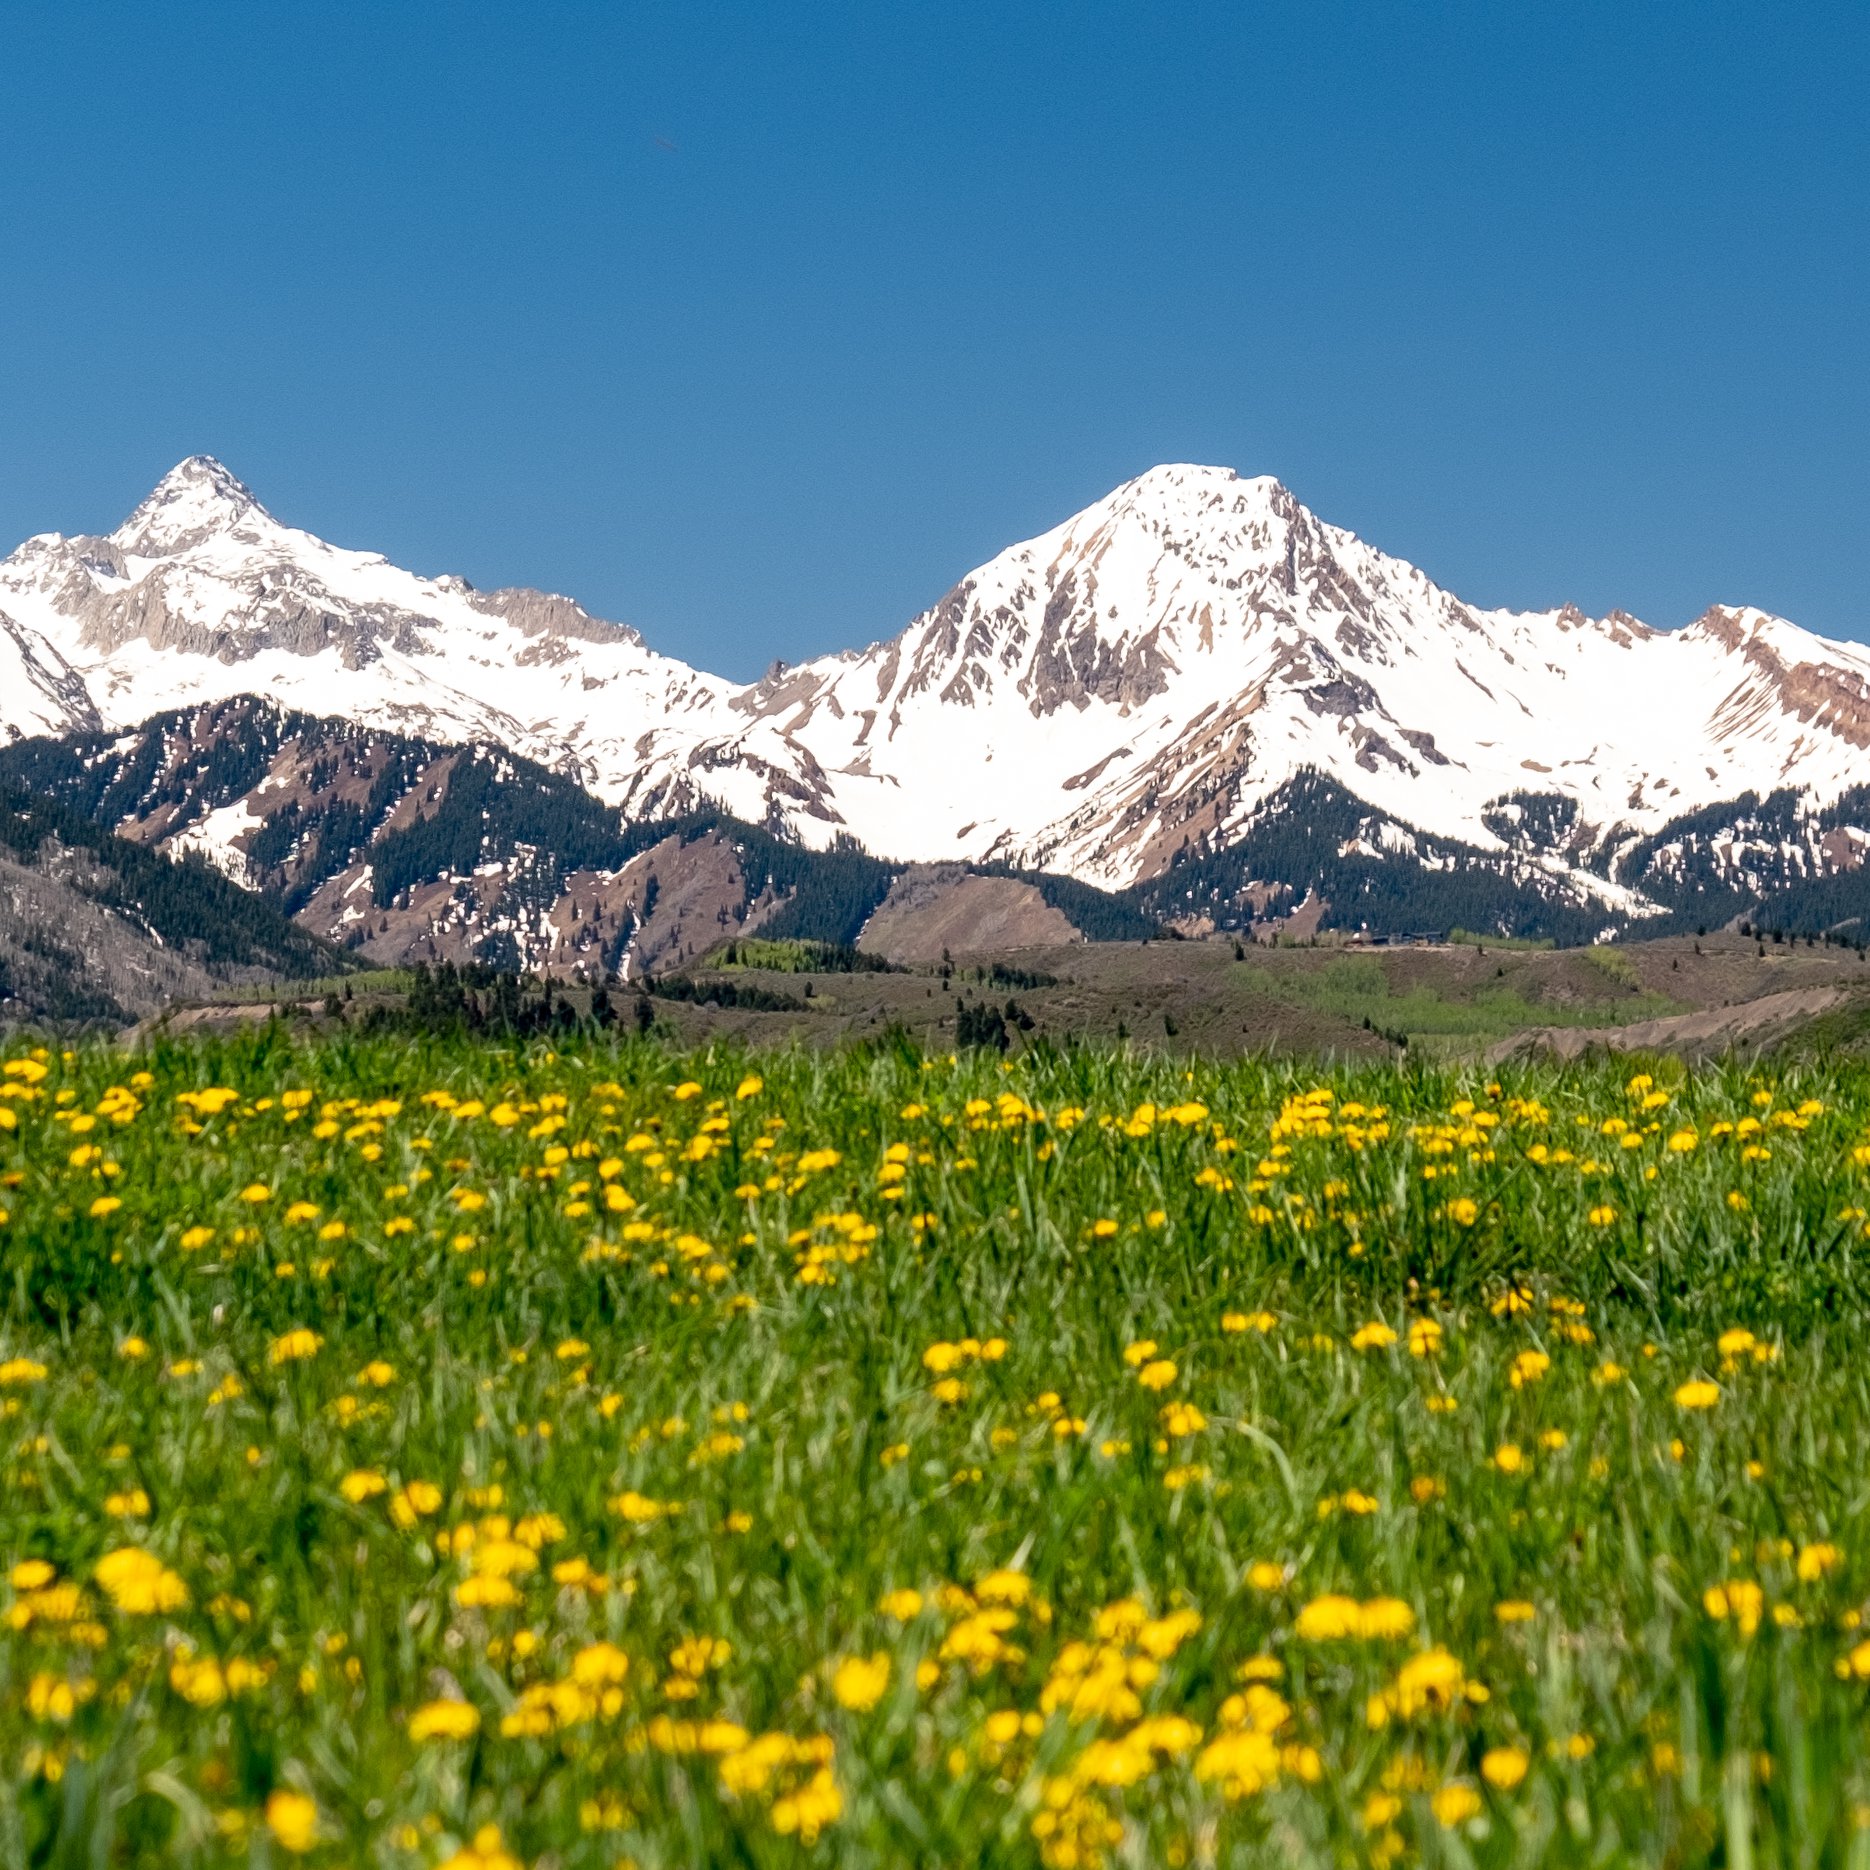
(1128, 691)
(1151, 671)
(201, 595)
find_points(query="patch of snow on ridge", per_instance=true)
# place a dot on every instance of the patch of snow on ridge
(216, 836)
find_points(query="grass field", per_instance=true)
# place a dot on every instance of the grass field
(419, 1454)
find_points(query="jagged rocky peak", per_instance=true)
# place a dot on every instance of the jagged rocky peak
(194, 500)
(1183, 505)
(547, 613)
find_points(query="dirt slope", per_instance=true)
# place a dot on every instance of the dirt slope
(1712, 1029)
(932, 908)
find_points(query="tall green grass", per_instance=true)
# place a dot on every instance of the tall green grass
(860, 1324)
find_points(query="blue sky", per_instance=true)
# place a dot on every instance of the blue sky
(758, 325)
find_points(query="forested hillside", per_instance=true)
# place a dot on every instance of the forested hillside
(96, 927)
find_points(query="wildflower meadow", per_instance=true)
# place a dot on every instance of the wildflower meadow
(423, 1453)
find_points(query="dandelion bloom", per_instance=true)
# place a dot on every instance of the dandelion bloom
(1815, 1561)
(637, 1509)
(1157, 1375)
(1242, 1764)
(1700, 1394)
(1332, 1617)
(445, 1720)
(810, 1809)
(1382, 1618)
(486, 1852)
(1739, 1598)
(295, 1346)
(1503, 1767)
(600, 1665)
(859, 1682)
(1428, 1683)
(486, 1592)
(292, 1818)
(1375, 1336)
(1455, 1804)
(138, 1582)
(417, 1500)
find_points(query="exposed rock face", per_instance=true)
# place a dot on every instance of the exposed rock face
(43, 693)
(541, 613)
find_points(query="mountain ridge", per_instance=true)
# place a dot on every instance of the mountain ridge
(1122, 695)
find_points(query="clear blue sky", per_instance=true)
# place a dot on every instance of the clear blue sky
(757, 325)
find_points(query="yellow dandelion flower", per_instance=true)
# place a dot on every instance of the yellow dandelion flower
(1503, 1767)
(137, 1582)
(445, 1720)
(292, 1818)
(859, 1682)
(294, 1346)
(1455, 1804)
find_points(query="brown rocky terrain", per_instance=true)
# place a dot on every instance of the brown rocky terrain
(933, 910)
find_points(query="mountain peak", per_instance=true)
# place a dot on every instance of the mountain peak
(1187, 497)
(195, 499)
(1183, 481)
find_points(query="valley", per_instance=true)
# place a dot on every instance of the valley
(1203, 998)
